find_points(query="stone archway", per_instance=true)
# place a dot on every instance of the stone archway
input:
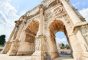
(27, 45)
(54, 27)
(74, 26)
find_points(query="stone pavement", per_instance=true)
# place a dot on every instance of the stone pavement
(6, 57)
(64, 58)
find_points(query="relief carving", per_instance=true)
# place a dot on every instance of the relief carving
(84, 31)
(59, 11)
(48, 15)
(37, 42)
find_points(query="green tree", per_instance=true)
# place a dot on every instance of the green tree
(62, 46)
(2, 39)
(67, 46)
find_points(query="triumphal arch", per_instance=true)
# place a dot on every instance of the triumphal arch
(34, 32)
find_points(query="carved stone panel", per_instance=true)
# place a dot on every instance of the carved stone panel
(84, 31)
(59, 11)
(37, 43)
(48, 15)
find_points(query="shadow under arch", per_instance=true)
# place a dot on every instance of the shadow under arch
(29, 41)
(54, 27)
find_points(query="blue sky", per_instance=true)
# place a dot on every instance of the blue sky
(80, 4)
(11, 10)
(25, 5)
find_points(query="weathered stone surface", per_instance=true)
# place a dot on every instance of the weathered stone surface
(26, 48)
(34, 33)
(14, 48)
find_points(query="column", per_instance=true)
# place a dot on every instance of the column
(41, 23)
(39, 53)
(13, 48)
(6, 47)
(15, 41)
(52, 48)
(20, 30)
(8, 43)
(76, 47)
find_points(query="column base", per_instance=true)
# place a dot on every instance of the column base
(85, 55)
(6, 48)
(38, 55)
(13, 49)
(54, 55)
(77, 56)
(25, 48)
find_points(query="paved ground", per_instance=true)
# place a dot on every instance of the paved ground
(6, 57)
(65, 58)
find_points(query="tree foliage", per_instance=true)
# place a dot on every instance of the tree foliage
(2, 39)
(67, 46)
(63, 46)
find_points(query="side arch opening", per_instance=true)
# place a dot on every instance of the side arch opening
(27, 45)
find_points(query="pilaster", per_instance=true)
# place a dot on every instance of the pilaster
(13, 49)
(40, 48)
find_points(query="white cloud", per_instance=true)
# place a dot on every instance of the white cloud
(84, 13)
(8, 10)
(3, 18)
(63, 40)
(8, 14)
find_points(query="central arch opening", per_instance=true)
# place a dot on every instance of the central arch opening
(60, 41)
(63, 45)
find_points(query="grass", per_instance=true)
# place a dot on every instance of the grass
(1, 45)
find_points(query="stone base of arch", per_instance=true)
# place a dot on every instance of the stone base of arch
(25, 48)
(6, 48)
(13, 49)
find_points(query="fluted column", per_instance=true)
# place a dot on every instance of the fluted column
(15, 40)
(8, 43)
(74, 17)
(20, 30)
(40, 39)
(13, 48)
(6, 47)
